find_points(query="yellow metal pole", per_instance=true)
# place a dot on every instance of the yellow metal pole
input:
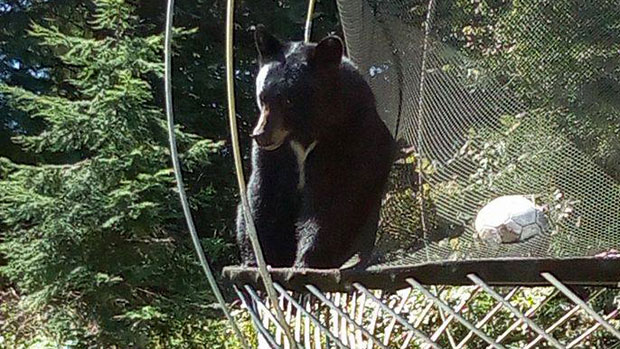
(249, 222)
(308, 29)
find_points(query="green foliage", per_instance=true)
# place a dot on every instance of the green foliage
(92, 238)
(90, 228)
(97, 246)
(560, 57)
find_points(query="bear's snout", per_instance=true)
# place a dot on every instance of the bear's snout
(261, 137)
(269, 133)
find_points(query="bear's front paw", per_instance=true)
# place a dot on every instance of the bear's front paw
(300, 264)
(289, 274)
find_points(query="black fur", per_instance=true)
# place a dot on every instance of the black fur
(315, 97)
(345, 174)
(274, 203)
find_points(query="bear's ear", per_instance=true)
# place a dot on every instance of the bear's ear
(328, 52)
(269, 47)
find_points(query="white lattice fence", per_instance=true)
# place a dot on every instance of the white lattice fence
(421, 316)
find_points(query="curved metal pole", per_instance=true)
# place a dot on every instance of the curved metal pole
(260, 306)
(179, 179)
(256, 319)
(234, 135)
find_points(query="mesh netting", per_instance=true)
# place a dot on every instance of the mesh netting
(495, 98)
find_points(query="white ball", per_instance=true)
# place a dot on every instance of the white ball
(511, 218)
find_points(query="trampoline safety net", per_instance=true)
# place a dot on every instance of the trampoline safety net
(494, 98)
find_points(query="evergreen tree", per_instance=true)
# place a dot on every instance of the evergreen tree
(24, 63)
(96, 245)
(91, 234)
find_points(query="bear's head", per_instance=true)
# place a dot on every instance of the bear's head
(295, 84)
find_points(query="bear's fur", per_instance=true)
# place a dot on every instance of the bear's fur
(274, 204)
(316, 107)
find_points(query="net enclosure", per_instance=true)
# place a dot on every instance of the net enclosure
(486, 99)
(493, 98)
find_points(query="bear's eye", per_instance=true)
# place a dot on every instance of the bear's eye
(288, 101)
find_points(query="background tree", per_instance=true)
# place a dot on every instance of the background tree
(92, 237)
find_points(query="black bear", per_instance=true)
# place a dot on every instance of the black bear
(322, 146)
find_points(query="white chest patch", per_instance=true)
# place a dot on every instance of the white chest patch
(301, 154)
